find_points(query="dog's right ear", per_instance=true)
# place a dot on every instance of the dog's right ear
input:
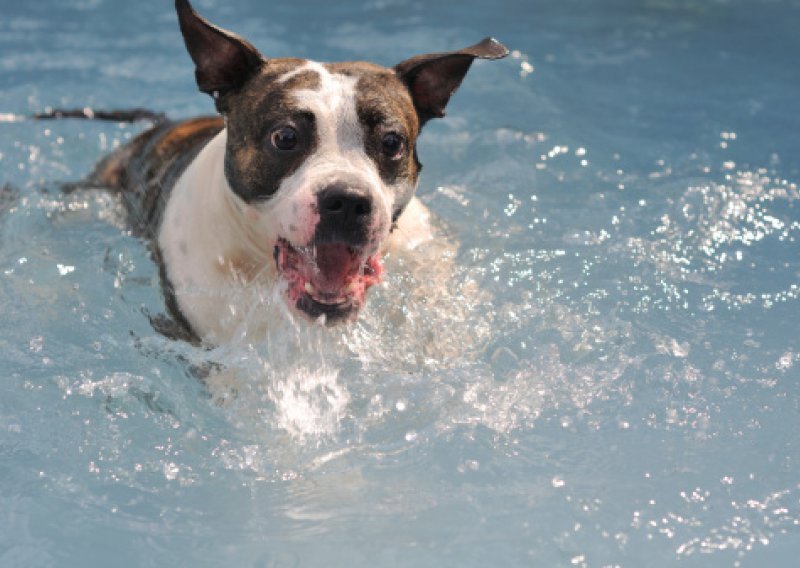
(223, 61)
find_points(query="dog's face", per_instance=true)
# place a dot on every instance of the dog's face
(321, 157)
(325, 155)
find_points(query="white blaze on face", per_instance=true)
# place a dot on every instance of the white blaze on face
(334, 108)
(340, 155)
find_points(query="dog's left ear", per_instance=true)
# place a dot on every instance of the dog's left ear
(432, 79)
(223, 60)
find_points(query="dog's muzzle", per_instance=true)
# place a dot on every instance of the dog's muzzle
(330, 275)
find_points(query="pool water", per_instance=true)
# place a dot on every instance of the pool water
(606, 374)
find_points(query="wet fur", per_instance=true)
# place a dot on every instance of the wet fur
(214, 197)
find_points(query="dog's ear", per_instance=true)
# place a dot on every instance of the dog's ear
(432, 79)
(223, 61)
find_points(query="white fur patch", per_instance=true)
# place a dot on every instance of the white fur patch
(207, 236)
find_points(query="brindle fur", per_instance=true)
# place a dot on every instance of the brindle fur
(253, 168)
(146, 168)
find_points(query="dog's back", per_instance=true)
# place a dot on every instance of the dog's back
(144, 169)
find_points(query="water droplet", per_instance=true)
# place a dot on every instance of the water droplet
(171, 470)
(36, 344)
(64, 269)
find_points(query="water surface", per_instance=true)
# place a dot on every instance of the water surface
(607, 377)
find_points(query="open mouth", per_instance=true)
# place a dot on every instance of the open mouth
(327, 279)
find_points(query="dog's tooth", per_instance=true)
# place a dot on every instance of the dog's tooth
(350, 288)
(309, 288)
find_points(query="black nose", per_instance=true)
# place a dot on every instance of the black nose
(344, 214)
(345, 204)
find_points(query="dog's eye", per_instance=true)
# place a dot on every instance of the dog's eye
(393, 145)
(284, 138)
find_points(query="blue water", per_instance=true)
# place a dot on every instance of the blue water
(608, 376)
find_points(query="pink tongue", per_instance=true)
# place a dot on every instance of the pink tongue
(335, 264)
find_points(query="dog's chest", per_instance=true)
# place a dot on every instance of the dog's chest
(205, 248)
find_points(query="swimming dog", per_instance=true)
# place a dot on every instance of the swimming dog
(307, 176)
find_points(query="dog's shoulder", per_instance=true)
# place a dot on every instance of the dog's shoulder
(412, 229)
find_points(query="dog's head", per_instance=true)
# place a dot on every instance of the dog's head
(322, 156)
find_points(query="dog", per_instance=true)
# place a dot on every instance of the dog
(304, 180)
